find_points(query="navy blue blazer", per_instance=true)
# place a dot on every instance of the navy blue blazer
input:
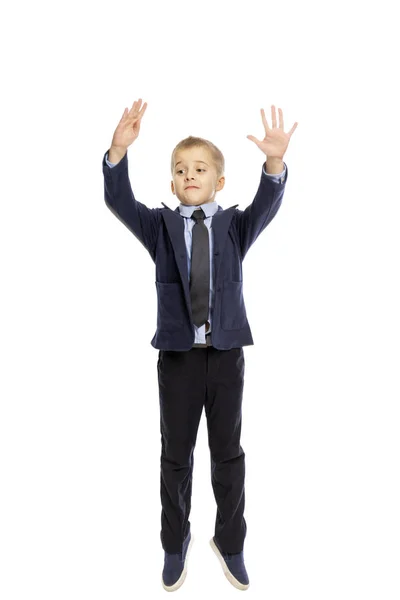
(161, 231)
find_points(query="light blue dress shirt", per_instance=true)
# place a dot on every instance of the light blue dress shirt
(209, 208)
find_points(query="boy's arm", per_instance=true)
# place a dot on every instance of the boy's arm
(254, 219)
(142, 221)
(110, 164)
(280, 174)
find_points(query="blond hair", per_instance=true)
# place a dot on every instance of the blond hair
(190, 142)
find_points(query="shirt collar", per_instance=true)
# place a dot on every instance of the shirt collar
(209, 208)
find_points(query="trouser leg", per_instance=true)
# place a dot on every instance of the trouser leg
(181, 377)
(223, 408)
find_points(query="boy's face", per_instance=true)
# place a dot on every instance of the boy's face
(194, 167)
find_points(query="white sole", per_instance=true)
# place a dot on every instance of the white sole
(177, 585)
(228, 574)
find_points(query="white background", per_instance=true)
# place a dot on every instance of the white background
(79, 431)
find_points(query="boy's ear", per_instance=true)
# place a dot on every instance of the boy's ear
(172, 187)
(221, 183)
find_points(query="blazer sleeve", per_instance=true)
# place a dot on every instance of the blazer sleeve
(142, 221)
(254, 219)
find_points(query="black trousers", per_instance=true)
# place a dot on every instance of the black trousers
(188, 381)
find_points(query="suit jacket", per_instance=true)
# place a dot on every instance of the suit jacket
(161, 231)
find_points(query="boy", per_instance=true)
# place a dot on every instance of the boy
(198, 250)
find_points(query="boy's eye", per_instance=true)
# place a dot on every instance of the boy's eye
(199, 169)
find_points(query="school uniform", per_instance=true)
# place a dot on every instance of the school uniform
(198, 366)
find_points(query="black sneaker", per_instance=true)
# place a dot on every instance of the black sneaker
(233, 566)
(175, 566)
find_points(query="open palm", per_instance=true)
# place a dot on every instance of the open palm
(276, 141)
(129, 126)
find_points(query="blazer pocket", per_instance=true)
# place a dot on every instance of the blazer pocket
(233, 312)
(170, 308)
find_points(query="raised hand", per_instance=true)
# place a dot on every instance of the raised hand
(276, 141)
(129, 126)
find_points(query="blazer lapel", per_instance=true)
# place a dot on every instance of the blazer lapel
(175, 226)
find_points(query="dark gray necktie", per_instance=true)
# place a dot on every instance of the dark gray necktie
(200, 269)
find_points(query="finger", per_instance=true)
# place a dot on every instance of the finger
(134, 108)
(281, 125)
(143, 110)
(264, 120)
(293, 128)
(133, 114)
(253, 139)
(140, 110)
(273, 112)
